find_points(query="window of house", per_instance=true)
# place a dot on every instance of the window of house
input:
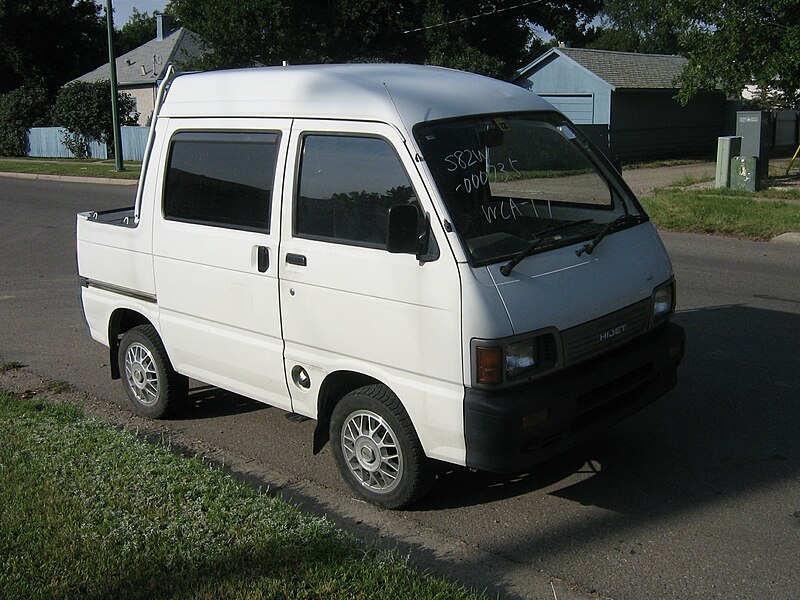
(222, 179)
(346, 186)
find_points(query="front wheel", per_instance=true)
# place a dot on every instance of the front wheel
(153, 387)
(377, 450)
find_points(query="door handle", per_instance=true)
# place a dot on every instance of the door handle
(296, 259)
(263, 259)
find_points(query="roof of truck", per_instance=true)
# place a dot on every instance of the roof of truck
(375, 92)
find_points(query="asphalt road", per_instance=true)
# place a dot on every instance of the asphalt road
(696, 497)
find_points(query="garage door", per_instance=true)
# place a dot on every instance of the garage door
(578, 107)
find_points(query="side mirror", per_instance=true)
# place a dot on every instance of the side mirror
(403, 230)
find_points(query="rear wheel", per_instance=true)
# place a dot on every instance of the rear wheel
(377, 449)
(153, 387)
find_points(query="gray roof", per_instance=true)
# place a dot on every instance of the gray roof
(622, 69)
(146, 64)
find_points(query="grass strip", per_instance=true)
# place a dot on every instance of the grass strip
(87, 511)
(725, 212)
(71, 167)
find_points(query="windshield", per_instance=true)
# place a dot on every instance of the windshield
(507, 178)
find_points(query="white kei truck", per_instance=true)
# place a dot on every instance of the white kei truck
(436, 266)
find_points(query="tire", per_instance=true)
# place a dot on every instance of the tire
(153, 387)
(377, 449)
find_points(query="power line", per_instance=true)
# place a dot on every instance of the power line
(478, 16)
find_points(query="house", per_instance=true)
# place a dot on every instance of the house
(626, 102)
(140, 71)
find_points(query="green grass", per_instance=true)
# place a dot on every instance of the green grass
(725, 212)
(10, 366)
(87, 511)
(675, 162)
(70, 167)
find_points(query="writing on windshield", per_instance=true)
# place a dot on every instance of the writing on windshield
(505, 178)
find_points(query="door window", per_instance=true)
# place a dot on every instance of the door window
(222, 179)
(346, 186)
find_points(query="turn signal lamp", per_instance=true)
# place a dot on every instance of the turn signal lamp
(489, 364)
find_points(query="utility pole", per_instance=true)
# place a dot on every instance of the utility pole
(112, 63)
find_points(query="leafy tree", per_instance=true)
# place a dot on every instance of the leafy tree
(476, 35)
(734, 43)
(20, 110)
(52, 41)
(480, 44)
(358, 31)
(647, 26)
(730, 43)
(242, 34)
(84, 110)
(140, 29)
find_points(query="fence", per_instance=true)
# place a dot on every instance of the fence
(46, 142)
(786, 135)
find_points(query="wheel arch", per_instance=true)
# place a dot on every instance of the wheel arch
(333, 389)
(121, 321)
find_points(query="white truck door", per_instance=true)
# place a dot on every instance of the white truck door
(215, 246)
(349, 305)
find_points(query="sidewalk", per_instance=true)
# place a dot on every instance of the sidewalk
(644, 181)
(69, 178)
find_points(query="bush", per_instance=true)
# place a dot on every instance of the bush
(84, 110)
(20, 110)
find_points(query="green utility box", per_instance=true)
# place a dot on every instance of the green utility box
(727, 147)
(744, 173)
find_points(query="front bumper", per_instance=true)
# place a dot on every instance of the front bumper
(510, 430)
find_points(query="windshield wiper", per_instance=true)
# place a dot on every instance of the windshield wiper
(538, 239)
(626, 219)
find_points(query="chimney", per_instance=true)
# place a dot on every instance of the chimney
(163, 26)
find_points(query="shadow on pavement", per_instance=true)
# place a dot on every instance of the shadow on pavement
(731, 425)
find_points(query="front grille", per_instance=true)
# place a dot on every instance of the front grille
(607, 332)
(613, 389)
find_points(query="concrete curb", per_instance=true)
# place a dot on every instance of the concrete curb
(70, 178)
(791, 238)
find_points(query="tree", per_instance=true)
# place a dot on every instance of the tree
(647, 26)
(140, 29)
(730, 44)
(492, 37)
(242, 34)
(735, 43)
(491, 44)
(84, 110)
(52, 41)
(20, 110)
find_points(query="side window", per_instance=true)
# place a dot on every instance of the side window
(223, 179)
(346, 187)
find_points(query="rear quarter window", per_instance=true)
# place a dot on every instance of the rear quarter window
(222, 179)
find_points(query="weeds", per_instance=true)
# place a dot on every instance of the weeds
(11, 366)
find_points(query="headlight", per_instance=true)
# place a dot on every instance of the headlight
(520, 356)
(512, 360)
(663, 301)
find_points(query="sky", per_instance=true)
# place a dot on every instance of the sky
(123, 9)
